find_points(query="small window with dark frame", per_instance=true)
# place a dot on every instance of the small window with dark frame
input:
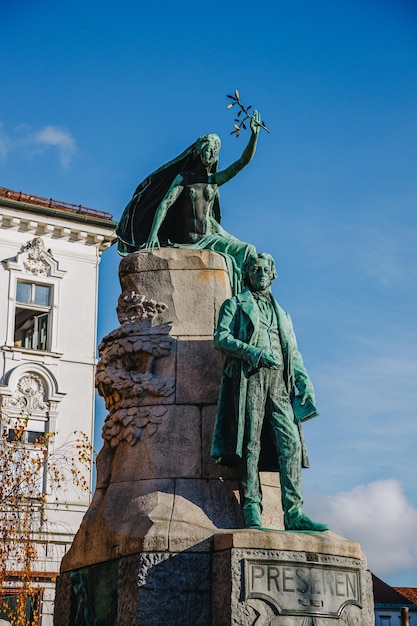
(32, 316)
(28, 431)
(27, 436)
(11, 609)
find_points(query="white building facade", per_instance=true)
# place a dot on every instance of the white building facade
(50, 253)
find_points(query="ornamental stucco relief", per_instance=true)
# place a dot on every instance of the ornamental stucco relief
(38, 259)
(29, 394)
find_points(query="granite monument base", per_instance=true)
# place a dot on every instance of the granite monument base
(237, 578)
(161, 543)
(289, 579)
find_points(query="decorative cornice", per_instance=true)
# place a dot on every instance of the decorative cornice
(102, 236)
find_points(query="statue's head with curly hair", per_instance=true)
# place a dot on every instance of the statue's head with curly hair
(259, 271)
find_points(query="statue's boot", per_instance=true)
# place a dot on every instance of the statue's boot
(252, 516)
(297, 520)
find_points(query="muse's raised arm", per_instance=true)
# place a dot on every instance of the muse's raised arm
(225, 175)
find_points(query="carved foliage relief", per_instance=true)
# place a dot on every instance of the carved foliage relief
(128, 371)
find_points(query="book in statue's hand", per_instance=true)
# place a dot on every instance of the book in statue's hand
(304, 411)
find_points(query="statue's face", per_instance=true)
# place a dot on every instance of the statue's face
(209, 149)
(260, 275)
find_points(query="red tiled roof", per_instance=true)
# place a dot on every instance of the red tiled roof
(384, 594)
(55, 204)
(408, 592)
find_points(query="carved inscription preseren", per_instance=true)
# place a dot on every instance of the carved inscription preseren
(302, 588)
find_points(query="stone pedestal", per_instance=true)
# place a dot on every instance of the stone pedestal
(238, 578)
(289, 579)
(160, 543)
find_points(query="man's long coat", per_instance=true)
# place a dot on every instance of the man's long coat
(236, 336)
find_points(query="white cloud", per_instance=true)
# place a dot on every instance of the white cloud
(58, 138)
(378, 516)
(27, 142)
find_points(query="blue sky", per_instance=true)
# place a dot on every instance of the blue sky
(95, 95)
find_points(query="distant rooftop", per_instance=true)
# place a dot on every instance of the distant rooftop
(408, 592)
(386, 595)
(54, 204)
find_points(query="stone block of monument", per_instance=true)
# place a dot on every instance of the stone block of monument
(163, 541)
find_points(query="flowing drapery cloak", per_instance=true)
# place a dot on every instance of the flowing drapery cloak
(136, 222)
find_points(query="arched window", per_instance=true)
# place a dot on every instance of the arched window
(29, 404)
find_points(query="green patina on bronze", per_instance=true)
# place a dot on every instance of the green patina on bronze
(255, 424)
(94, 595)
(179, 205)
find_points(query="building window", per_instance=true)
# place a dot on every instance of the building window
(9, 605)
(32, 315)
(385, 620)
(28, 442)
(28, 435)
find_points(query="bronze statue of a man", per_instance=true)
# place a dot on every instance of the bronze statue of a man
(263, 369)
